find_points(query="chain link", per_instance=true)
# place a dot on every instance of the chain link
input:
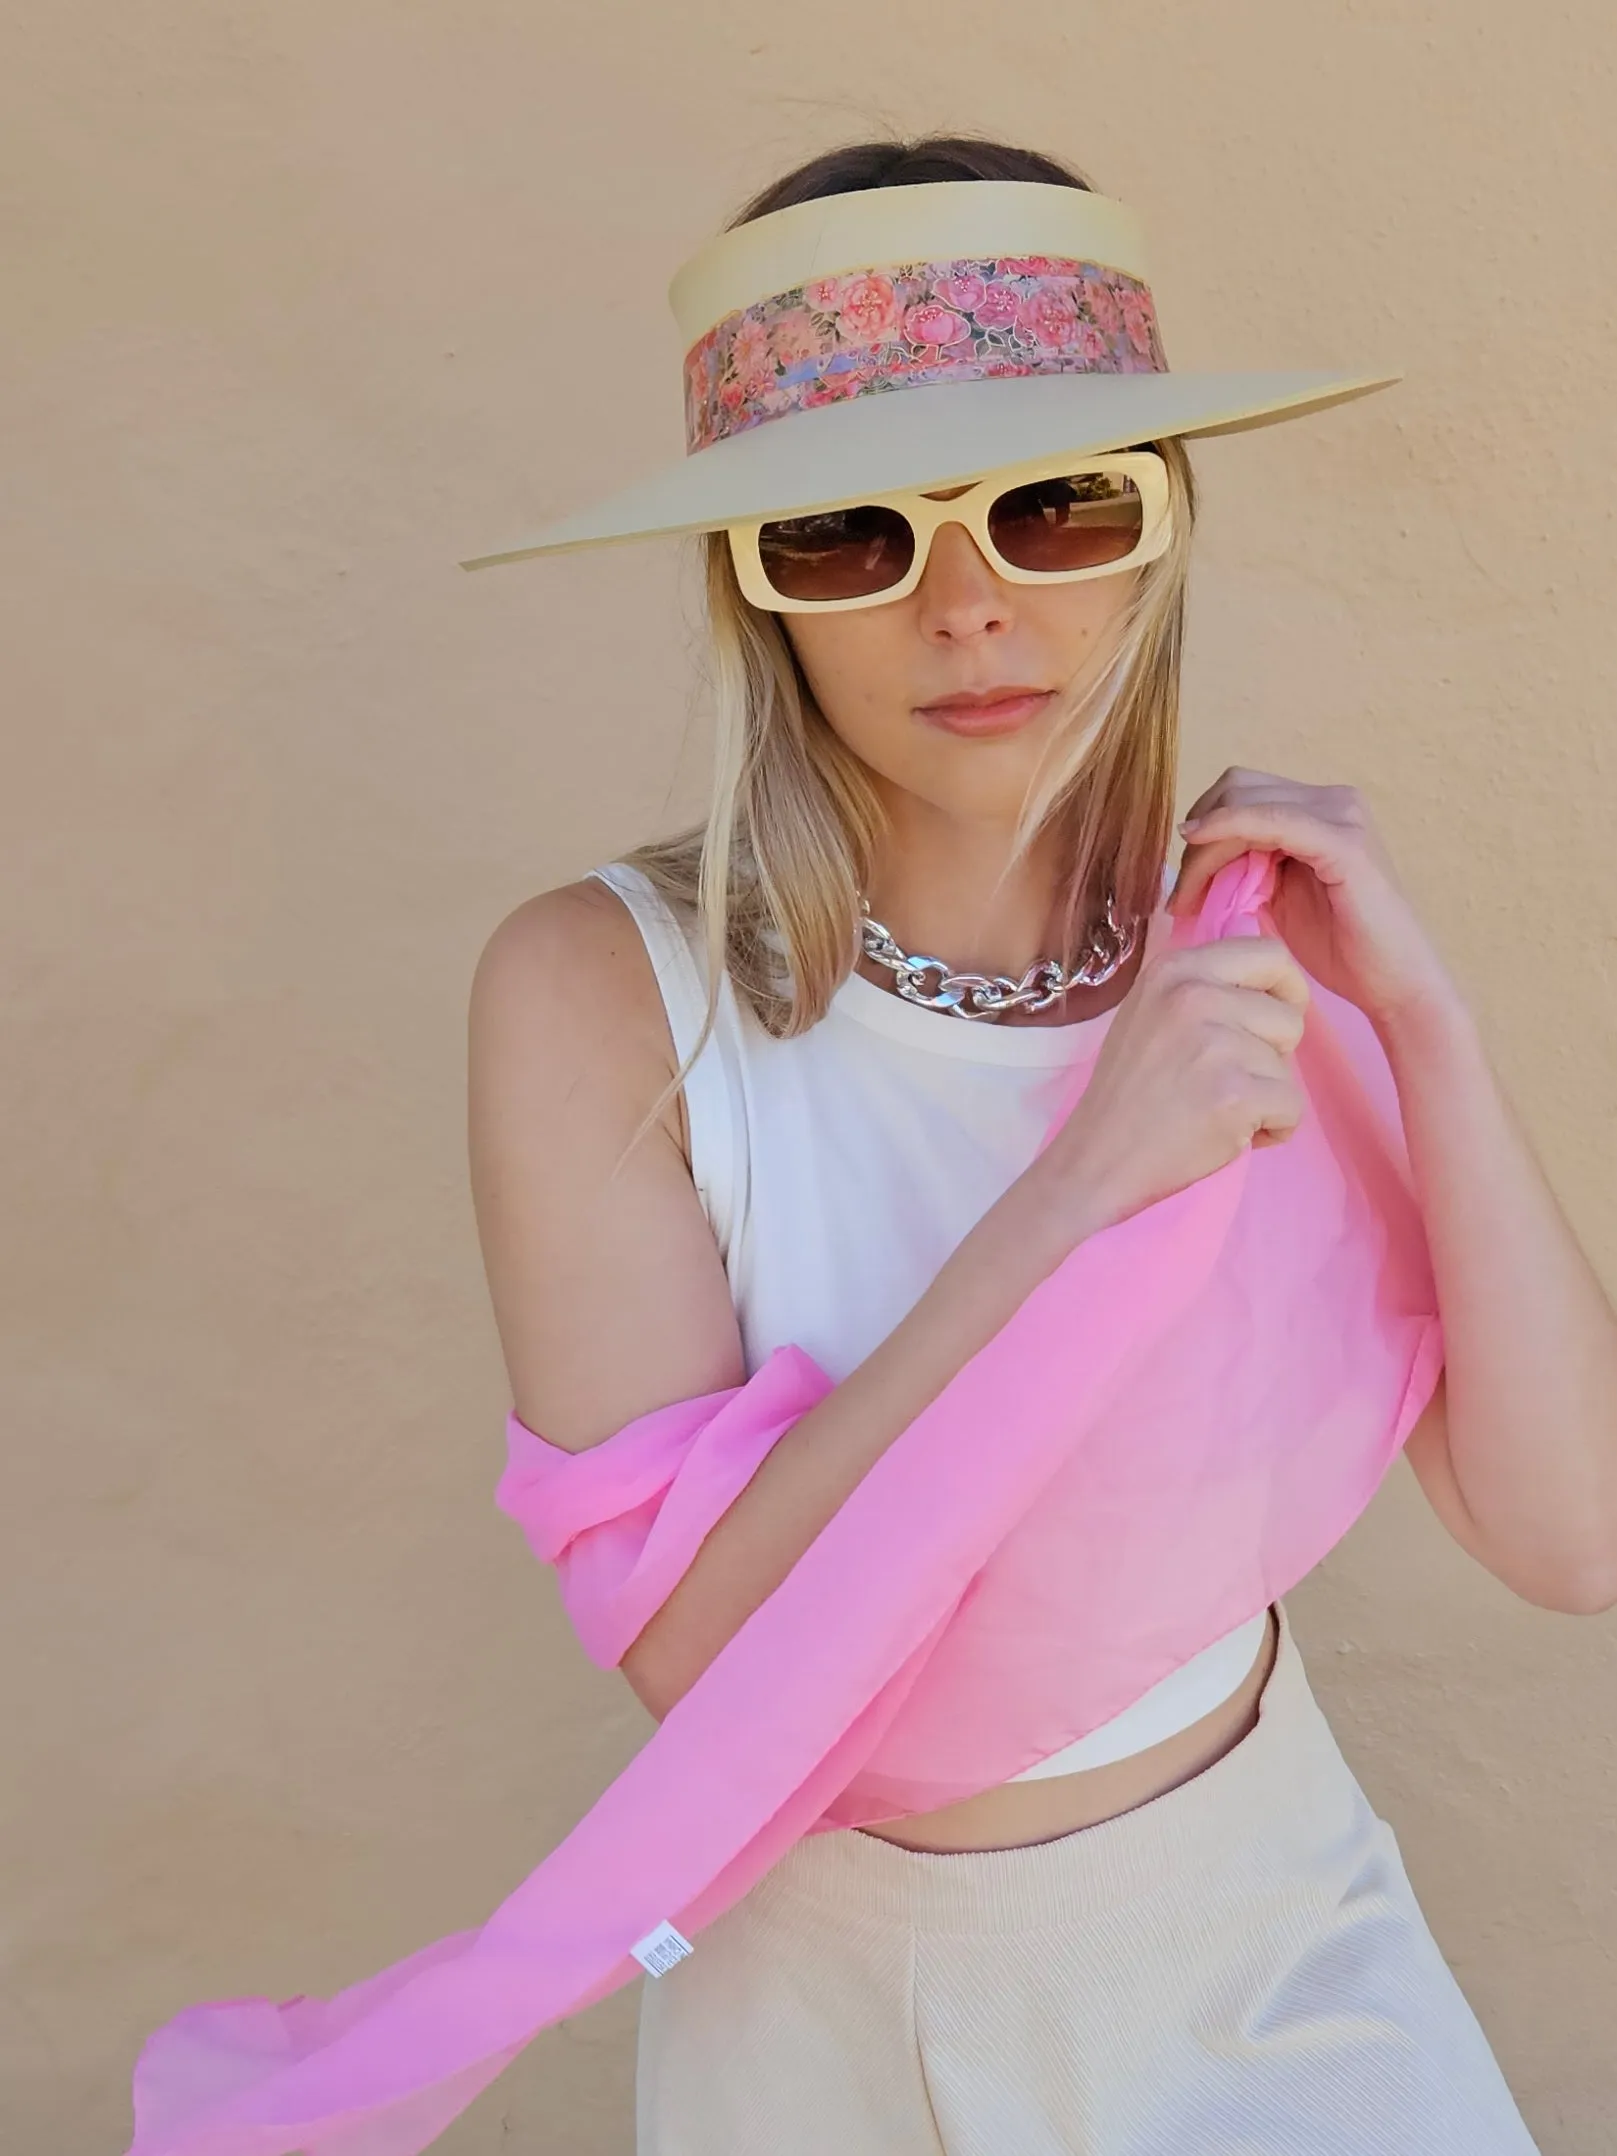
(991, 995)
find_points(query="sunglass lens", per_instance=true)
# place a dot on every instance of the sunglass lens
(841, 554)
(1056, 525)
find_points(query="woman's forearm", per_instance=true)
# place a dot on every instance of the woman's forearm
(819, 1461)
(1530, 1335)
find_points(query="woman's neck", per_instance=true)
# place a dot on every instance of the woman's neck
(941, 887)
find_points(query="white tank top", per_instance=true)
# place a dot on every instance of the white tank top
(839, 1169)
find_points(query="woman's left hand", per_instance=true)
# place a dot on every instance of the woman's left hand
(1338, 905)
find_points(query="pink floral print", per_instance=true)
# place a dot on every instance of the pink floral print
(1105, 305)
(796, 336)
(999, 307)
(1047, 315)
(842, 337)
(867, 311)
(963, 293)
(931, 324)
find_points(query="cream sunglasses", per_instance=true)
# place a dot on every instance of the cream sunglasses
(1055, 522)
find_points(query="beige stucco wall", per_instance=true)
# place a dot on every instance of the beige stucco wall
(304, 302)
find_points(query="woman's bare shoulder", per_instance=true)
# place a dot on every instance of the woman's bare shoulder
(565, 934)
(564, 983)
(587, 1240)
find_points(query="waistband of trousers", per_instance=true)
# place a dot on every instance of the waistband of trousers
(1284, 1778)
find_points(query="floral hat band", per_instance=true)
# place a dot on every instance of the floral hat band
(961, 320)
(1016, 316)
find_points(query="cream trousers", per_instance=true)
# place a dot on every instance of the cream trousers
(1237, 1968)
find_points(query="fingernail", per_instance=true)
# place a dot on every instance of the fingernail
(1191, 823)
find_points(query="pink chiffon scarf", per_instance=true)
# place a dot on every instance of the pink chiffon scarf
(1172, 1430)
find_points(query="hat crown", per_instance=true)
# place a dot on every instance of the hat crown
(870, 228)
(1015, 316)
(898, 288)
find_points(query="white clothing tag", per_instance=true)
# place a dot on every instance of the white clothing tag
(658, 1951)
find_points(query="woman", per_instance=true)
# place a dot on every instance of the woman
(974, 755)
(943, 1375)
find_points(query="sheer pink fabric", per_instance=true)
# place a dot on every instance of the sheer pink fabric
(1175, 1426)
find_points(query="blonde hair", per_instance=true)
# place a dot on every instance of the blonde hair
(774, 874)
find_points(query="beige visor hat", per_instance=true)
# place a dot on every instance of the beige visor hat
(903, 337)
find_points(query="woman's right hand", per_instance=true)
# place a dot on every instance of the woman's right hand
(1196, 1065)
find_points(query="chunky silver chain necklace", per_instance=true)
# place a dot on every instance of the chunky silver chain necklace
(991, 995)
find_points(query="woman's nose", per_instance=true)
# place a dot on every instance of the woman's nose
(960, 594)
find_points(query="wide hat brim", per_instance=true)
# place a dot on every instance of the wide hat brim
(925, 436)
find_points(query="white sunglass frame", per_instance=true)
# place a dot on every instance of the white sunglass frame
(1146, 469)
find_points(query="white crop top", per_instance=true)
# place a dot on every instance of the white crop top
(839, 1170)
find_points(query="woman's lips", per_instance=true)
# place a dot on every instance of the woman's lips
(1001, 713)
